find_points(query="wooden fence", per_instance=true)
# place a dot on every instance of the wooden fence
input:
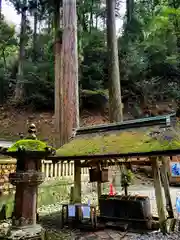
(51, 170)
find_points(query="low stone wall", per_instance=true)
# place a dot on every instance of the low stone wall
(5, 169)
(51, 170)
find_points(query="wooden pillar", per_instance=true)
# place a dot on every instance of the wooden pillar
(99, 187)
(99, 190)
(71, 195)
(164, 171)
(158, 193)
(77, 182)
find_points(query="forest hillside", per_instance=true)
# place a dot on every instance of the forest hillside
(149, 63)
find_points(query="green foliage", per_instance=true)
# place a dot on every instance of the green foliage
(54, 191)
(93, 67)
(50, 192)
(126, 178)
(7, 33)
(149, 48)
(149, 53)
(8, 53)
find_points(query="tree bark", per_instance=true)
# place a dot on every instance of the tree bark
(19, 90)
(70, 69)
(49, 23)
(91, 17)
(129, 10)
(4, 58)
(115, 102)
(59, 88)
(0, 8)
(175, 17)
(35, 36)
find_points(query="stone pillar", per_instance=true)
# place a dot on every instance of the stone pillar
(25, 205)
(27, 177)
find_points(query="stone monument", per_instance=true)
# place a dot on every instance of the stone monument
(29, 152)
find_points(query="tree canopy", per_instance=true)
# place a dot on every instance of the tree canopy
(149, 52)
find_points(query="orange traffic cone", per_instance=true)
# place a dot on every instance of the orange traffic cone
(111, 192)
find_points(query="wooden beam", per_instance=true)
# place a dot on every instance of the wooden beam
(158, 193)
(137, 163)
(164, 172)
(149, 154)
(77, 183)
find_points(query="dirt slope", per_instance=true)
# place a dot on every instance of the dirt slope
(13, 122)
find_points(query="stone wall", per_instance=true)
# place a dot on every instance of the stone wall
(51, 170)
(5, 170)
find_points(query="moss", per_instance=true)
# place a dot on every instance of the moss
(95, 92)
(118, 142)
(29, 145)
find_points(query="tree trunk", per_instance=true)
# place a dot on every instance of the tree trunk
(96, 21)
(4, 58)
(176, 23)
(35, 36)
(115, 102)
(59, 88)
(70, 68)
(0, 8)
(19, 90)
(129, 16)
(91, 17)
(49, 24)
(129, 10)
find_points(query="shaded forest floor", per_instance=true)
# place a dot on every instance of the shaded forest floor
(13, 122)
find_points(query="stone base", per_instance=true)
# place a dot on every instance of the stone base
(26, 233)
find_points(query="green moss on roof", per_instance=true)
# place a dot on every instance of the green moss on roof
(120, 142)
(29, 145)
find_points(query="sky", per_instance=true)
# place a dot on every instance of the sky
(10, 14)
(12, 17)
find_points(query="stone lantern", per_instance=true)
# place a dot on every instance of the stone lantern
(29, 152)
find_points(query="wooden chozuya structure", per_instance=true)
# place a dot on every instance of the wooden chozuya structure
(118, 144)
(100, 146)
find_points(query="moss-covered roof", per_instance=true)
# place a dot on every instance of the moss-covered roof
(144, 140)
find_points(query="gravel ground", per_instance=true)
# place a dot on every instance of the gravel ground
(51, 221)
(51, 218)
(89, 194)
(158, 235)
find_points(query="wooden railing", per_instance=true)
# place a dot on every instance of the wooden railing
(51, 170)
(65, 169)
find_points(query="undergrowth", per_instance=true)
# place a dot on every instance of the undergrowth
(49, 192)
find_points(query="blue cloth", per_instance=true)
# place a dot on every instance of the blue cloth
(178, 204)
(175, 168)
(86, 211)
(71, 211)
